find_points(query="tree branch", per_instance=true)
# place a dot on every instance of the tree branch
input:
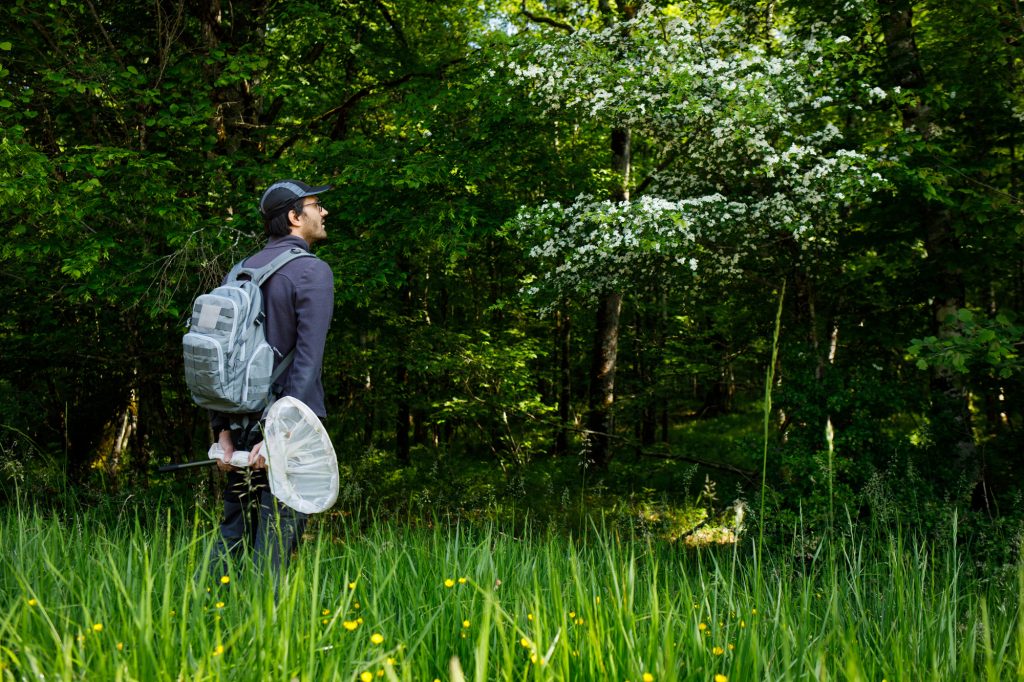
(341, 111)
(106, 36)
(669, 160)
(546, 20)
(399, 34)
(748, 474)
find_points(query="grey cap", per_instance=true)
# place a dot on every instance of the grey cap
(283, 194)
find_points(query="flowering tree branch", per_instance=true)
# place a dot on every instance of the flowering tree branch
(762, 157)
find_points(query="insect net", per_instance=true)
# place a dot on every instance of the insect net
(301, 464)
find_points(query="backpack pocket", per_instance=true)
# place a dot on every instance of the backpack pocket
(260, 369)
(204, 367)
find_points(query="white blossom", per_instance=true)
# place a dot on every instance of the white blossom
(747, 165)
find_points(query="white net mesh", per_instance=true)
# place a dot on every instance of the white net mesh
(301, 464)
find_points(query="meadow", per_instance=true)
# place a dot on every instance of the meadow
(87, 596)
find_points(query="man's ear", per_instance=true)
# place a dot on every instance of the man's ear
(293, 217)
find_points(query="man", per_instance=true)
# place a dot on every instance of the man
(298, 302)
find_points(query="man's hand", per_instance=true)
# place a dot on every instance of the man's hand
(256, 458)
(229, 449)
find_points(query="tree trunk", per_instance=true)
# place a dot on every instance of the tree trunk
(602, 379)
(404, 411)
(950, 408)
(648, 353)
(564, 331)
(403, 415)
(606, 331)
(238, 111)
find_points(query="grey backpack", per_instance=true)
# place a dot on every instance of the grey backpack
(229, 366)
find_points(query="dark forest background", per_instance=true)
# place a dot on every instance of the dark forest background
(137, 136)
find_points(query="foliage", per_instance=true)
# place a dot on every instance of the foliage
(982, 346)
(866, 154)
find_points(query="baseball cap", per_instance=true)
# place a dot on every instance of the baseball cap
(283, 194)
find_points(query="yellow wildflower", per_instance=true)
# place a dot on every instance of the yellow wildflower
(325, 612)
(597, 600)
(732, 647)
(525, 642)
(324, 621)
(449, 582)
(391, 661)
(224, 580)
(717, 651)
(702, 627)
(377, 638)
(32, 602)
(648, 677)
(579, 621)
(572, 615)
(219, 650)
(352, 585)
(753, 611)
(359, 620)
(366, 676)
(355, 605)
(721, 678)
(98, 627)
(219, 605)
(465, 623)
(350, 625)
(380, 673)
(462, 581)
(743, 623)
(120, 646)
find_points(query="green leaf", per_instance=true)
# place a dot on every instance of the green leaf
(6, 46)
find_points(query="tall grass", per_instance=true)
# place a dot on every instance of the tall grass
(87, 599)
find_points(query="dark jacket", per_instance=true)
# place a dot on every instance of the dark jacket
(298, 300)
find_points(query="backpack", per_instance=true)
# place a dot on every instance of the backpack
(229, 366)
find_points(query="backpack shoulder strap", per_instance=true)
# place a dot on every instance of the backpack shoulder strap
(235, 271)
(262, 274)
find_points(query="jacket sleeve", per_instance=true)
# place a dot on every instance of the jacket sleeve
(314, 307)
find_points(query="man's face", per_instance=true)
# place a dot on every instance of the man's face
(311, 221)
